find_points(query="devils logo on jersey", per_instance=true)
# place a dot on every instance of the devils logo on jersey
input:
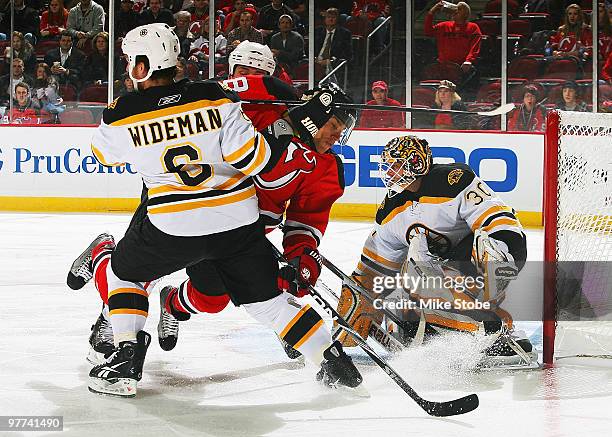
(295, 159)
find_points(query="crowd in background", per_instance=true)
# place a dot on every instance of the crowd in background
(58, 53)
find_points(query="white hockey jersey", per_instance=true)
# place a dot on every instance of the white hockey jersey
(195, 150)
(450, 204)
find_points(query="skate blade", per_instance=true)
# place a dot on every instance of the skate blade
(509, 363)
(122, 387)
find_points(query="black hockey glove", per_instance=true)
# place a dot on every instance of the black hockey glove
(309, 117)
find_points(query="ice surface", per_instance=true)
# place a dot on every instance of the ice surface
(229, 377)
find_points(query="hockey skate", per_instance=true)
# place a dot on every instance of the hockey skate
(120, 373)
(101, 341)
(168, 325)
(337, 368)
(510, 351)
(81, 270)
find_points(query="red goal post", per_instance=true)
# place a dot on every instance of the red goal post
(577, 236)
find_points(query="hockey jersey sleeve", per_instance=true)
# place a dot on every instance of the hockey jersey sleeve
(383, 252)
(242, 146)
(482, 208)
(106, 146)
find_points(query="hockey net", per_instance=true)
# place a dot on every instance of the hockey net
(578, 236)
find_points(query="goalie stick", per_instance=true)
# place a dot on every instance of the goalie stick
(503, 109)
(439, 409)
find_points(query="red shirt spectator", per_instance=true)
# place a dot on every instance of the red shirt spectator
(373, 119)
(54, 19)
(372, 8)
(232, 20)
(458, 41)
(529, 116)
(606, 71)
(573, 35)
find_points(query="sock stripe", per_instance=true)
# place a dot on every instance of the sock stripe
(309, 334)
(303, 328)
(128, 311)
(100, 257)
(294, 321)
(184, 299)
(129, 290)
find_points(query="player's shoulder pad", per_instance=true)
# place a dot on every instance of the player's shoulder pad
(279, 88)
(177, 94)
(446, 180)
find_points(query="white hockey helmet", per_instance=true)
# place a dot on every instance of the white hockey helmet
(156, 41)
(252, 54)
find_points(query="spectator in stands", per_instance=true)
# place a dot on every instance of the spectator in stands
(245, 32)
(198, 11)
(569, 100)
(181, 70)
(232, 20)
(183, 30)
(124, 86)
(573, 38)
(66, 61)
(176, 5)
(22, 49)
(378, 119)
(345, 7)
(199, 51)
(530, 115)
(85, 20)
(606, 71)
(370, 14)
(287, 45)
(300, 11)
(53, 20)
(448, 98)
(45, 90)
(604, 32)
(126, 19)
(331, 41)
(458, 40)
(155, 13)
(269, 16)
(27, 21)
(96, 63)
(18, 77)
(25, 109)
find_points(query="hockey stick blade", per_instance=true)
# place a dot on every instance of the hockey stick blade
(504, 109)
(439, 409)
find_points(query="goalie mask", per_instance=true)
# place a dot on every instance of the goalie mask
(157, 42)
(402, 161)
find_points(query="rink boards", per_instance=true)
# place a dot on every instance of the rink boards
(52, 169)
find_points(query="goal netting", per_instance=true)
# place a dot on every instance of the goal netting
(578, 236)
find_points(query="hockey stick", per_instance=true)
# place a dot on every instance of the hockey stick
(503, 109)
(439, 409)
(377, 332)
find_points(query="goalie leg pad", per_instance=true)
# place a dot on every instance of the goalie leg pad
(358, 312)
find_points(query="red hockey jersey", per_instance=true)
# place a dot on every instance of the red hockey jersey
(303, 185)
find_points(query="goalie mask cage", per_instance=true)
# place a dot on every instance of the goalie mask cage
(577, 236)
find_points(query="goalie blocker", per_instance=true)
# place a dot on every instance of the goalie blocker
(438, 225)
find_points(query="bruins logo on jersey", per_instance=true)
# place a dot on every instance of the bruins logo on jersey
(438, 244)
(454, 176)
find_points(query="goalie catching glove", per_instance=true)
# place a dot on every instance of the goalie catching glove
(302, 271)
